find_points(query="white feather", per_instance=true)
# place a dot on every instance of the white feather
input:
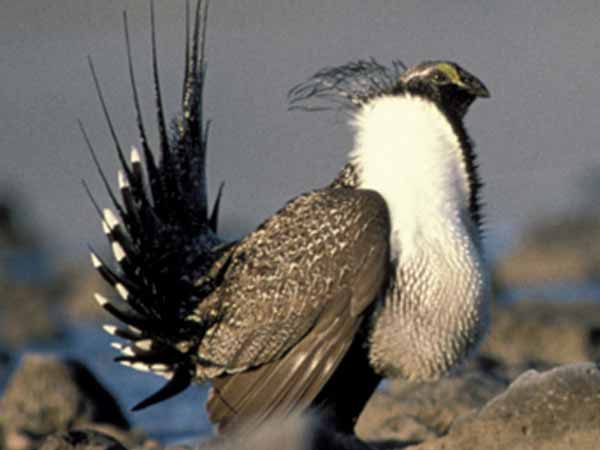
(141, 367)
(110, 218)
(105, 228)
(95, 261)
(123, 183)
(118, 251)
(408, 152)
(145, 344)
(135, 155)
(110, 329)
(100, 299)
(127, 351)
(122, 290)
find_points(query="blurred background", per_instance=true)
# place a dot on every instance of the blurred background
(537, 138)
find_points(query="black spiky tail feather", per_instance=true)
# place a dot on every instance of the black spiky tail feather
(163, 237)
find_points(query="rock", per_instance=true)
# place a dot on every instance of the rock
(411, 412)
(134, 439)
(296, 432)
(553, 410)
(561, 249)
(47, 395)
(526, 334)
(81, 440)
(103, 437)
(26, 315)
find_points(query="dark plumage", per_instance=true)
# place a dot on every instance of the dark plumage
(302, 312)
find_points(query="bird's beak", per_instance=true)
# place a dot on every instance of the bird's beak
(473, 86)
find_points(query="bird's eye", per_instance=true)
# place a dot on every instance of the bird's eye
(439, 78)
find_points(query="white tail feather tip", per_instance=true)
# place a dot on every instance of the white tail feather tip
(110, 218)
(122, 290)
(118, 251)
(135, 156)
(141, 367)
(127, 351)
(102, 300)
(95, 261)
(123, 183)
(105, 228)
(145, 345)
(110, 329)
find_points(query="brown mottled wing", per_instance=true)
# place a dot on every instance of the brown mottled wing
(297, 335)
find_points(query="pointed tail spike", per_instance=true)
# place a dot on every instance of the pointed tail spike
(135, 155)
(110, 218)
(144, 345)
(95, 261)
(110, 329)
(122, 290)
(118, 252)
(101, 299)
(123, 182)
(180, 381)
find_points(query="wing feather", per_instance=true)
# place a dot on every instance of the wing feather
(292, 379)
(284, 385)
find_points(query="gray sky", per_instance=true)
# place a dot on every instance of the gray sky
(536, 135)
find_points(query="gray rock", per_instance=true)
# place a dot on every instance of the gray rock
(528, 333)
(410, 412)
(103, 437)
(26, 314)
(293, 433)
(562, 249)
(47, 395)
(553, 410)
(81, 440)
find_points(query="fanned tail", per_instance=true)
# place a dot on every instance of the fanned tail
(163, 236)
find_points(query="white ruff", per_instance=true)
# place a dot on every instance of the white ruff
(407, 151)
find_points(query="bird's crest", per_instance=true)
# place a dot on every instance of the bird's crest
(345, 87)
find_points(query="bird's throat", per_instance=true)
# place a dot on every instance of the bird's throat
(408, 152)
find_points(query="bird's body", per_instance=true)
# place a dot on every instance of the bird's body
(377, 274)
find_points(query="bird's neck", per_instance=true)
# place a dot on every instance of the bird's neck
(407, 150)
(435, 307)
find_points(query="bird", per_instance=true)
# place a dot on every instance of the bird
(380, 273)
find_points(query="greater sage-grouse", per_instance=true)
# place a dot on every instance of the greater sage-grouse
(378, 274)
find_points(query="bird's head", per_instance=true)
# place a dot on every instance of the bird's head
(355, 84)
(444, 82)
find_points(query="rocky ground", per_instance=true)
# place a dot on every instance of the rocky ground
(559, 249)
(534, 384)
